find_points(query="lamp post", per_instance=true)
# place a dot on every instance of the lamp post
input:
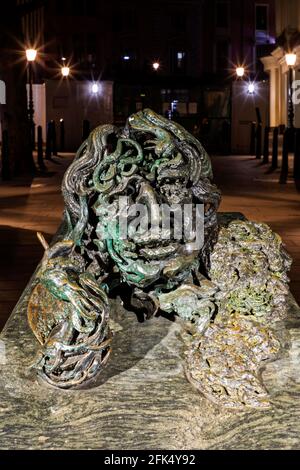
(31, 56)
(65, 70)
(240, 71)
(290, 59)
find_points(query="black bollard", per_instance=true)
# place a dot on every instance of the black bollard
(296, 171)
(40, 158)
(5, 157)
(266, 145)
(85, 129)
(54, 142)
(285, 156)
(62, 135)
(252, 139)
(49, 141)
(275, 149)
(258, 140)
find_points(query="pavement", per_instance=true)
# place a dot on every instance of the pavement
(31, 205)
(26, 206)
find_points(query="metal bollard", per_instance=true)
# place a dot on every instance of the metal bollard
(62, 135)
(285, 156)
(40, 148)
(5, 173)
(296, 171)
(49, 141)
(85, 129)
(258, 140)
(54, 142)
(266, 145)
(275, 149)
(252, 139)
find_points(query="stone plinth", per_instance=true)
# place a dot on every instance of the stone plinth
(142, 399)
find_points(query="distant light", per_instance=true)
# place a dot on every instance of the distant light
(251, 88)
(240, 71)
(31, 55)
(65, 71)
(61, 120)
(95, 88)
(290, 59)
(174, 105)
(63, 59)
(126, 57)
(156, 65)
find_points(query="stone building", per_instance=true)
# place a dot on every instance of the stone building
(288, 40)
(195, 44)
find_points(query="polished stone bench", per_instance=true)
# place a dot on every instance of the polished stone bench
(142, 399)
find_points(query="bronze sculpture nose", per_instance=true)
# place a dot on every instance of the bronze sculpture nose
(148, 197)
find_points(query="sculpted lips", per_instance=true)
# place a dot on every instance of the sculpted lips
(159, 252)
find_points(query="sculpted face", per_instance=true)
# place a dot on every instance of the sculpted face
(155, 204)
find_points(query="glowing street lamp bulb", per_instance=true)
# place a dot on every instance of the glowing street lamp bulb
(95, 88)
(251, 88)
(31, 55)
(155, 65)
(126, 57)
(290, 59)
(240, 71)
(65, 71)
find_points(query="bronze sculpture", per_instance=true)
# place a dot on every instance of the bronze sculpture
(228, 290)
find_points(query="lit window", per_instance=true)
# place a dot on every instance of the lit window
(180, 59)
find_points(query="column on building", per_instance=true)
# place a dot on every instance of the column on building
(275, 65)
(272, 66)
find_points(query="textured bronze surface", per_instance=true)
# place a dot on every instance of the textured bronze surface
(230, 292)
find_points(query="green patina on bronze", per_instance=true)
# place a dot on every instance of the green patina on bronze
(228, 293)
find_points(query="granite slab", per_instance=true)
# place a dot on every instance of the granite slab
(142, 399)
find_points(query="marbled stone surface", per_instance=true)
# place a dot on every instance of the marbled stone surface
(142, 399)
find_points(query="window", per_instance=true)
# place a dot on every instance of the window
(78, 47)
(180, 60)
(178, 22)
(91, 7)
(78, 7)
(222, 15)
(222, 56)
(177, 60)
(123, 20)
(261, 17)
(91, 44)
(61, 7)
(117, 23)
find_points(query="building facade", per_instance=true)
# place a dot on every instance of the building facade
(287, 40)
(195, 44)
(235, 33)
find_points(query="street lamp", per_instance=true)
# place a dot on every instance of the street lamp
(251, 88)
(31, 56)
(65, 70)
(95, 88)
(290, 59)
(240, 71)
(155, 65)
